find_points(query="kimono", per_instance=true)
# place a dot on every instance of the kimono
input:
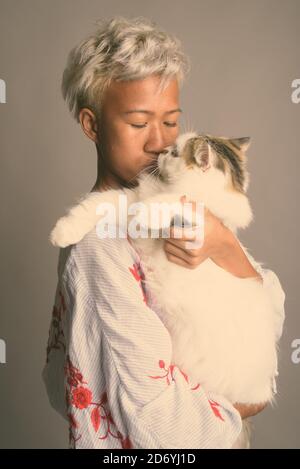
(109, 369)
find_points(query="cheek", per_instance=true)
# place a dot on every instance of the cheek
(128, 162)
(130, 142)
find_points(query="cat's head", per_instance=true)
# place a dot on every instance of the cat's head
(204, 154)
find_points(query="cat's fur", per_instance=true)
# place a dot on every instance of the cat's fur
(222, 326)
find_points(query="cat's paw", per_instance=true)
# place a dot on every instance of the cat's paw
(64, 234)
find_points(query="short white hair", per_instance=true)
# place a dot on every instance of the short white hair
(121, 49)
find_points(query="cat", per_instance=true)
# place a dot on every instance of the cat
(222, 326)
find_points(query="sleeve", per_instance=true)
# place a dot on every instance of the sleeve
(53, 370)
(151, 399)
(53, 373)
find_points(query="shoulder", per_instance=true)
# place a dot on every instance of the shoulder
(93, 248)
(94, 256)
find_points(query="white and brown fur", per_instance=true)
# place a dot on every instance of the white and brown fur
(222, 326)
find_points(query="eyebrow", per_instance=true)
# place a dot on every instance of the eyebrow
(151, 112)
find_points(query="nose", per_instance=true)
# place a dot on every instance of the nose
(158, 142)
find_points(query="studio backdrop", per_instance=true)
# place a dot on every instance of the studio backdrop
(244, 81)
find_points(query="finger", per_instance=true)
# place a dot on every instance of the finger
(178, 261)
(191, 248)
(187, 234)
(198, 210)
(191, 258)
(179, 244)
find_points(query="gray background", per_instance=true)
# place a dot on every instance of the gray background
(244, 54)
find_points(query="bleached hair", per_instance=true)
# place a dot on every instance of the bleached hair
(121, 49)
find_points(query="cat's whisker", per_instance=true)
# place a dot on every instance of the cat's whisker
(154, 171)
(143, 171)
(148, 171)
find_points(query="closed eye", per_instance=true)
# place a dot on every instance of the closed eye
(168, 124)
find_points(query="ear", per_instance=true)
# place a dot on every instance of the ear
(242, 143)
(88, 122)
(204, 156)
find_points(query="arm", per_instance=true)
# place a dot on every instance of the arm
(233, 258)
(219, 244)
(151, 399)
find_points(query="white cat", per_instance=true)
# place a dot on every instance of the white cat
(222, 327)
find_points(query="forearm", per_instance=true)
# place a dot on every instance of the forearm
(233, 259)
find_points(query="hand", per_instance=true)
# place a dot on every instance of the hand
(250, 410)
(217, 239)
(219, 244)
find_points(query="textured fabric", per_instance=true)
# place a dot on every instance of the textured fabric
(109, 370)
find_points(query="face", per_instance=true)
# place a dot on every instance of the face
(137, 123)
(201, 153)
(171, 162)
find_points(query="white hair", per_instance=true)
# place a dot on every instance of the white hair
(121, 49)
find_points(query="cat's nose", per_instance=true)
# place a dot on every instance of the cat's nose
(175, 153)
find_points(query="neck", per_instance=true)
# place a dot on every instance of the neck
(107, 178)
(104, 183)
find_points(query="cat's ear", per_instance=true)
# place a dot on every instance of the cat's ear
(204, 155)
(242, 143)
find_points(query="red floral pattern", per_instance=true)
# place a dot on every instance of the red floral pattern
(214, 405)
(139, 276)
(169, 375)
(81, 397)
(56, 338)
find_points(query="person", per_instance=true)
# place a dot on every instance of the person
(109, 369)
